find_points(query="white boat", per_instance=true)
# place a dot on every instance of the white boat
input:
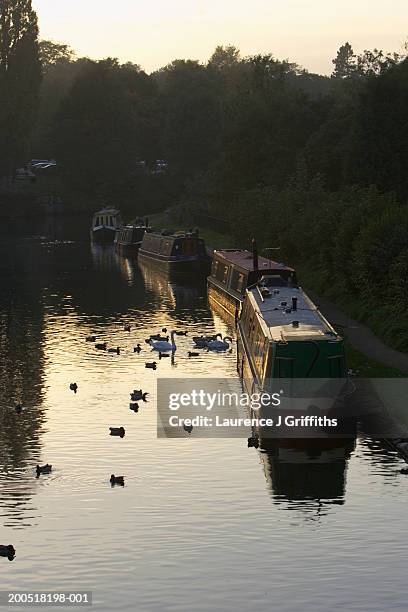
(105, 222)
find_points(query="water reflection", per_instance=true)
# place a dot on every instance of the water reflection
(21, 382)
(306, 474)
(189, 508)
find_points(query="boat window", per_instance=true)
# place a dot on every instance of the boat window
(237, 281)
(214, 268)
(240, 282)
(111, 221)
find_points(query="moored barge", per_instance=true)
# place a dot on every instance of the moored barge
(233, 271)
(181, 252)
(105, 223)
(128, 238)
(286, 345)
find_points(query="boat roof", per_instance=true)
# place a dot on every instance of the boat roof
(244, 259)
(107, 211)
(177, 234)
(277, 322)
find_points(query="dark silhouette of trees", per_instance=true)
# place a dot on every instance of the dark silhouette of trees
(20, 76)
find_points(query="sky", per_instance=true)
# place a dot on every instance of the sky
(153, 33)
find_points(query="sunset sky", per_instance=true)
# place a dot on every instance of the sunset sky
(154, 33)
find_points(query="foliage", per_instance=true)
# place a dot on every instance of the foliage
(20, 76)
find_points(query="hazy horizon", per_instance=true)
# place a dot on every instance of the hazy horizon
(152, 35)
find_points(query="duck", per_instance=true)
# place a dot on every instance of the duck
(114, 350)
(188, 428)
(164, 330)
(192, 354)
(134, 406)
(73, 387)
(404, 471)
(91, 338)
(117, 480)
(219, 345)
(19, 409)
(137, 348)
(202, 341)
(43, 469)
(101, 346)
(164, 345)
(152, 365)
(127, 328)
(117, 431)
(161, 355)
(7, 550)
(138, 394)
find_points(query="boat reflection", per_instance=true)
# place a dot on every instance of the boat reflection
(308, 474)
(179, 294)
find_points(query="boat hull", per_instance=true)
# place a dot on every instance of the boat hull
(229, 304)
(128, 250)
(174, 265)
(103, 234)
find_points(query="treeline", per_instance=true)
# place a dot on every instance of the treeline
(316, 165)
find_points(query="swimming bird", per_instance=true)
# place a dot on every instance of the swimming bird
(7, 550)
(117, 480)
(114, 350)
(164, 330)
(404, 471)
(164, 345)
(188, 428)
(91, 338)
(137, 348)
(192, 354)
(219, 345)
(19, 409)
(73, 387)
(134, 407)
(202, 341)
(101, 346)
(117, 431)
(138, 394)
(43, 469)
(127, 328)
(152, 365)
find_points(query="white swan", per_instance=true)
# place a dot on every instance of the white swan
(163, 345)
(219, 345)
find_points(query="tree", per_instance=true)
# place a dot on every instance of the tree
(345, 64)
(20, 77)
(52, 53)
(224, 57)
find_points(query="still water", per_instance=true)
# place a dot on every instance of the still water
(201, 524)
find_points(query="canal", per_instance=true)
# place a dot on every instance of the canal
(205, 524)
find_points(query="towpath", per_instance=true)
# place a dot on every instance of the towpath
(361, 337)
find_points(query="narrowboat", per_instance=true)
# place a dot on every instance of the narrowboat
(105, 223)
(128, 238)
(180, 252)
(285, 345)
(232, 271)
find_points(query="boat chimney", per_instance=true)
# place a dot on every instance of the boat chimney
(255, 254)
(294, 303)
